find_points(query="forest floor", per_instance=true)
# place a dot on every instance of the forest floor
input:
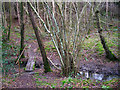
(91, 61)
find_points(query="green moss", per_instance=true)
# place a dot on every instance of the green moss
(38, 82)
(36, 72)
(13, 80)
(85, 87)
(45, 83)
(34, 67)
(47, 49)
(99, 48)
(3, 80)
(18, 35)
(36, 75)
(49, 46)
(34, 64)
(103, 86)
(110, 81)
(93, 84)
(45, 77)
(42, 83)
(53, 86)
(25, 68)
(9, 82)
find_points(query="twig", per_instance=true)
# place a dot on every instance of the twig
(20, 55)
(54, 65)
(19, 59)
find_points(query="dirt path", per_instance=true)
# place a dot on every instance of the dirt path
(25, 80)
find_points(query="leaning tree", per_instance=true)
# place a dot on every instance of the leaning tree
(43, 53)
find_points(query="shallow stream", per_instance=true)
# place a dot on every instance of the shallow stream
(97, 76)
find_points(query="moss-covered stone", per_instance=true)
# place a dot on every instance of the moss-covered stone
(34, 67)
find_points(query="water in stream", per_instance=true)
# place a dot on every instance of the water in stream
(97, 76)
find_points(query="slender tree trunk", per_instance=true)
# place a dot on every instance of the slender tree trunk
(3, 19)
(15, 8)
(5, 36)
(22, 29)
(4, 14)
(10, 20)
(109, 54)
(107, 14)
(18, 15)
(43, 53)
(66, 57)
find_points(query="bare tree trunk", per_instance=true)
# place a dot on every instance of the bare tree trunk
(22, 29)
(18, 15)
(10, 20)
(3, 19)
(109, 54)
(5, 32)
(15, 8)
(107, 14)
(4, 14)
(43, 53)
(66, 57)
